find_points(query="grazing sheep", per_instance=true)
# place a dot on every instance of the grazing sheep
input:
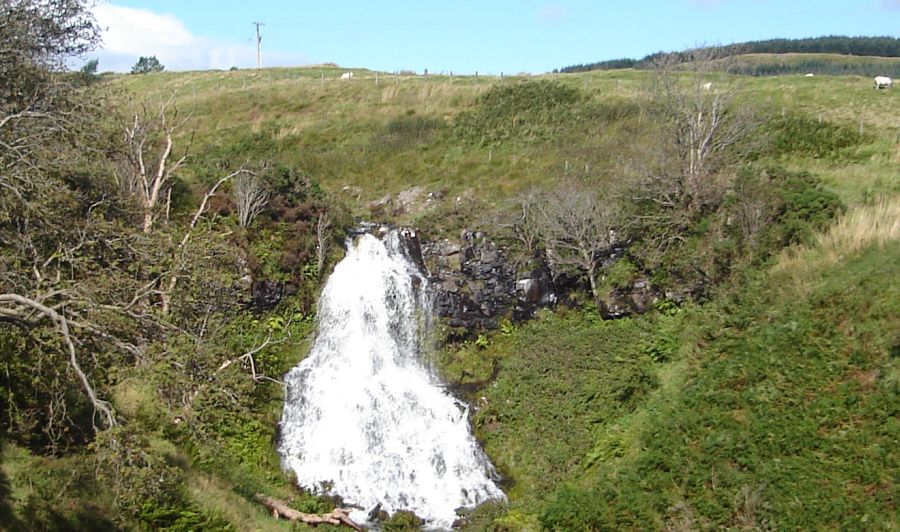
(347, 75)
(883, 82)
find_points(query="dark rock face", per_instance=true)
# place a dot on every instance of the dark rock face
(265, 294)
(476, 286)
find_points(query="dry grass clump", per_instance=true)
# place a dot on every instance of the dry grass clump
(874, 224)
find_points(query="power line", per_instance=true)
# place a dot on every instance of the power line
(258, 41)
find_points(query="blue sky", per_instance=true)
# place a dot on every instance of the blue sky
(463, 36)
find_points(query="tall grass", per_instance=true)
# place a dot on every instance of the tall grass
(877, 223)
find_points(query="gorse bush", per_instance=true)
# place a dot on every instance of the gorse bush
(805, 207)
(533, 110)
(804, 135)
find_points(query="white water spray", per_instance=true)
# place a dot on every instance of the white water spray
(364, 418)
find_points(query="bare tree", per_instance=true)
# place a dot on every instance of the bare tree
(322, 226)
(149, 142)
(702, 123)
(576, 228)
(251, 198)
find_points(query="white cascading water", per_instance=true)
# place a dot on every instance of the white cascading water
(364, 418)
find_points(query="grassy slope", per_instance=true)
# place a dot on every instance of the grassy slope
(648, 420)
(339, 131)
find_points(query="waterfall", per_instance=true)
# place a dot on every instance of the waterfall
(364, 418)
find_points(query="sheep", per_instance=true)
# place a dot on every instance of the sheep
(707, 86)
(883, 82)
(347, 75)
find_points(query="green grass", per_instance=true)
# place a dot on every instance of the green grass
(774, 404)
(344, 133)
(787, 416)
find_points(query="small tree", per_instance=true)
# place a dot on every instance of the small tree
(89, 70)
(575, 226)
(703, 123)
(251, 198)
(146, 65)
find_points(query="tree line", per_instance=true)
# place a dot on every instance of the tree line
(832, 44)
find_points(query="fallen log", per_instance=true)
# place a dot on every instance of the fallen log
(280, 509)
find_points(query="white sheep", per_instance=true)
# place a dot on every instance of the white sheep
(347, 75)
(883, 82)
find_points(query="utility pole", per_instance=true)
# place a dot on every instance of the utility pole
(258, 41)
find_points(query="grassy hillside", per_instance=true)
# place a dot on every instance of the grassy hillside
(381, 133)
(769, 402)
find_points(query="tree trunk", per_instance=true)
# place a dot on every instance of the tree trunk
(279, 508)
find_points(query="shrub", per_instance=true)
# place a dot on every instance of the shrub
(804, 135)
(408, 131)
(534, 110)
(146, 65)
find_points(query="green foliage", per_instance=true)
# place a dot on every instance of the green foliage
(806, 207)
(408, 131)
(619, 274)
(786, 418)
(482, 342)
(148, 488)
(530, 111)
(402, 521)
(566, 373)
(665, 343)
(765, 211)
(88, 72)
(807, 136)
(37, 493)
(147, 65)
(832, 44)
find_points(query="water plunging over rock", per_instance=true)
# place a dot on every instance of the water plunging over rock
(364, 418)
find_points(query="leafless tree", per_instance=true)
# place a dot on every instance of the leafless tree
(575, 226)
(322, 226)
(251, 198)
(702, 123)
(149, 144)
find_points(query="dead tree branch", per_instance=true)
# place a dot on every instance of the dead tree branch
(166, 295)
(149, 142)
(338, 516)
(16, 311)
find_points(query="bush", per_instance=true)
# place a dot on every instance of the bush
(146, 65)
(534, 110)
(805, 207)
(804, 135)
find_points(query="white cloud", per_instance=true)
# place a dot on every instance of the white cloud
(129, 33)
